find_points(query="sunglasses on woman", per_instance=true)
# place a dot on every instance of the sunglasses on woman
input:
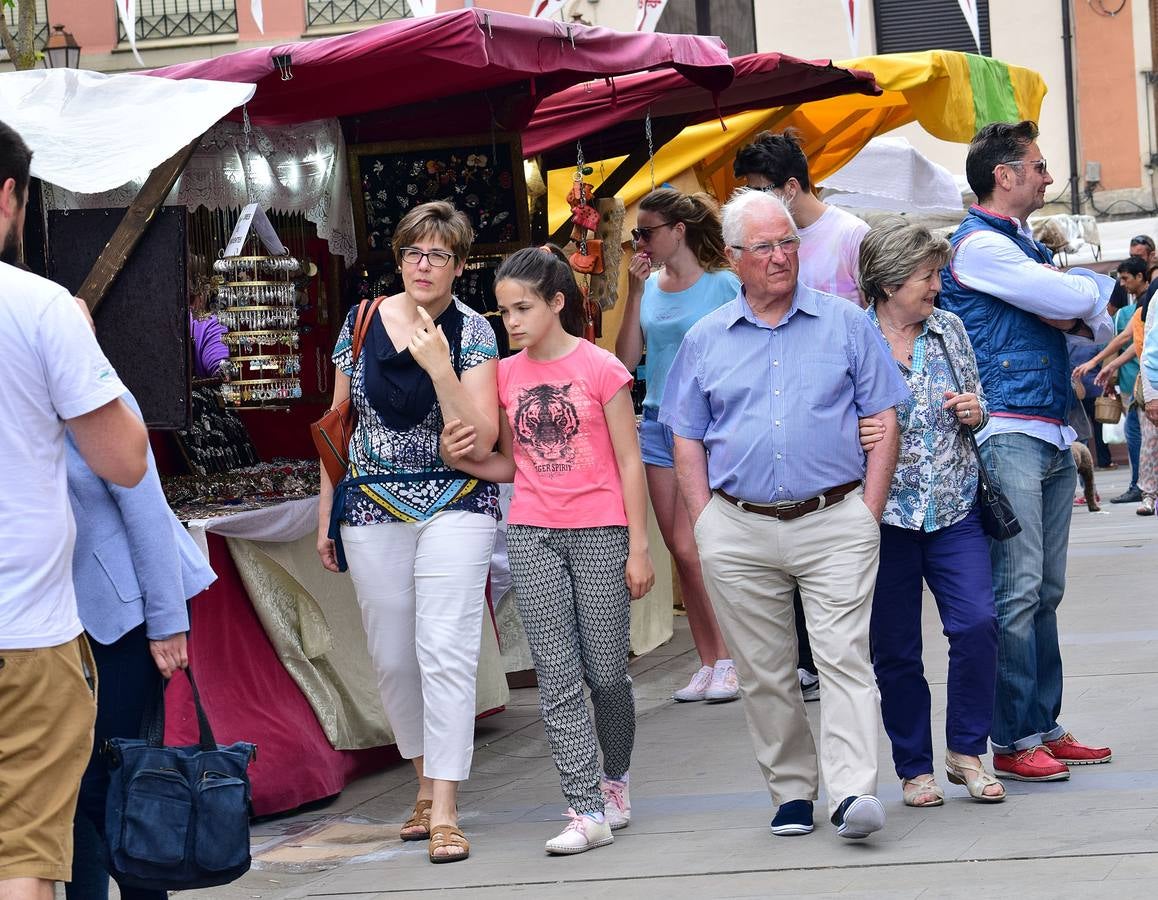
(644, 234)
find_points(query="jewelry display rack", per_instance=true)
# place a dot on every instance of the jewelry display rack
(257, 300)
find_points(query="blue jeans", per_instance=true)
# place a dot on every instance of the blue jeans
(1133, 443)
(954, 561)
(1029, 575)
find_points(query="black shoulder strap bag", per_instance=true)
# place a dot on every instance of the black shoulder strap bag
(998, 519)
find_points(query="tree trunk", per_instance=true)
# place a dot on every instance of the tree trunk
(20, 46)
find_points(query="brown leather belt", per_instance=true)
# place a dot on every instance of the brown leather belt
(793, 509)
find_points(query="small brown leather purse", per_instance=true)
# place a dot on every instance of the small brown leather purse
(588, 259)
(332, 432)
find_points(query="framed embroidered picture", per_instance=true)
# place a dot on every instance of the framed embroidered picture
(482, 175)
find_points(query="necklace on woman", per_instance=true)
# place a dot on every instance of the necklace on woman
(901, 332)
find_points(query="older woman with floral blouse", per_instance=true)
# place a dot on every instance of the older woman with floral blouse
(931, 527)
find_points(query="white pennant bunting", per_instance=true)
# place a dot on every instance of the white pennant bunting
(647, 13)
(852, 18)
(127, 10)
(969, 7)
(545, 9)
(421, 8)
(258, 14)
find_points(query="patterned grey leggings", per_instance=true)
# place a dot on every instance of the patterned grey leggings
(576, 611)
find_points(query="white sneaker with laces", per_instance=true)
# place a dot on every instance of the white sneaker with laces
(725, 684)
(616, 802)
(696, 688)
(583, 833)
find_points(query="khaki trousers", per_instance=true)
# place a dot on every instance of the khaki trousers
(751, 563)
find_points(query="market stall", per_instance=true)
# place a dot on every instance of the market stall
(276, 642)
(950, 94)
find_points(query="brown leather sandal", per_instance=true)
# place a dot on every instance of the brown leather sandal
(420, 818)
(447, 836)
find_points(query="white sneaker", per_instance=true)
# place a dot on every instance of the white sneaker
(809, 685)
(1146, 507)
(582, 834)
(725, 685)
(696, 688)
(616, 802)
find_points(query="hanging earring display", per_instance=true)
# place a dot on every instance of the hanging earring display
(258, 302)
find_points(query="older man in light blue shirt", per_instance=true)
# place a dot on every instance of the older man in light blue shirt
(763, 398)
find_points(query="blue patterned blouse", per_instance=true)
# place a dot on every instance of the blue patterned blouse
(377, 449)
(935, 483)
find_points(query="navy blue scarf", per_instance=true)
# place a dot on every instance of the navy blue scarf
(397, 388)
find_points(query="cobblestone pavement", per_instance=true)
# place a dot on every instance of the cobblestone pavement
(700, 826)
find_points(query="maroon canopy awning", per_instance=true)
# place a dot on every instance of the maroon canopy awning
(456, 72)
(609, 113)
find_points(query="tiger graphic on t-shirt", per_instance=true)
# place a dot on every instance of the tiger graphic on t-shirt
(546, 420)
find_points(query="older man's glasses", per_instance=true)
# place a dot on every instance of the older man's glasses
(766, 250)
(1039, 164)
(644, 234)
(437, 258)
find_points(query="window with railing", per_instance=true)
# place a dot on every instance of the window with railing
(40, 33)
(324, 13)
(160, 19)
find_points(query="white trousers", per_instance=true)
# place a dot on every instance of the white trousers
(421, 587)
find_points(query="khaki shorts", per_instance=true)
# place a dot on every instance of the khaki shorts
(47, 710)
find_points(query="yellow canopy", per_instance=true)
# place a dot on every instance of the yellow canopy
(951, 94)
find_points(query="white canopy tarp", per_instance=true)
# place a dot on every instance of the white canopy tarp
(891, 174)
(92, 132)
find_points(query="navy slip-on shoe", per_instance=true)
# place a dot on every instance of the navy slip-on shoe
(858, 817)
(793, 817)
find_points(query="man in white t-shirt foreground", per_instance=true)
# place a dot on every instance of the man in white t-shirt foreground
(829, 237)
(52, 375)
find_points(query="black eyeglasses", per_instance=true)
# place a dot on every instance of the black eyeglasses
(644, 234)
(437, 258)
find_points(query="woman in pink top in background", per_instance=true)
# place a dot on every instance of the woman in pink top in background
(577, 531)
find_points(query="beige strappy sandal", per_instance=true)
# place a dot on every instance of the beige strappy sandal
(450, 837)
(922, 791)
(420, 818)
(959, 769)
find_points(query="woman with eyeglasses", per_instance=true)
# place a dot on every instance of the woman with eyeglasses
(678, 235)
(416, 534)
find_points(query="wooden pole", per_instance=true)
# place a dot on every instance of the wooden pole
(134, 224)
(664, 131)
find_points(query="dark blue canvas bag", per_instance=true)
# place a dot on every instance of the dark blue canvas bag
(177, 817)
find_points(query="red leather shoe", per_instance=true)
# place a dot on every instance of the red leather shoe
(1068, 750)
(1034, 764)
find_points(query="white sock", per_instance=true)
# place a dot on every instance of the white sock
(596, 817)
(722, 664)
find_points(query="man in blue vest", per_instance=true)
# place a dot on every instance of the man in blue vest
(1018, 310)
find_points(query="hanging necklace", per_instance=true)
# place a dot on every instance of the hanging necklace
(910, 341)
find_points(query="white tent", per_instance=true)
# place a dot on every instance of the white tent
(890, 174)
(91, 132)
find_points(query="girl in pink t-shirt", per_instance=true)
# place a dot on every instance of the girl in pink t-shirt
(577, 535)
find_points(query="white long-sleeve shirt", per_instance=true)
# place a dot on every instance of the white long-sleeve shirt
(994, 264)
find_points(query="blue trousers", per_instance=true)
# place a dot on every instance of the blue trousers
(1029, 579)
(954, 561)
(1133, 442)
(127, 680)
